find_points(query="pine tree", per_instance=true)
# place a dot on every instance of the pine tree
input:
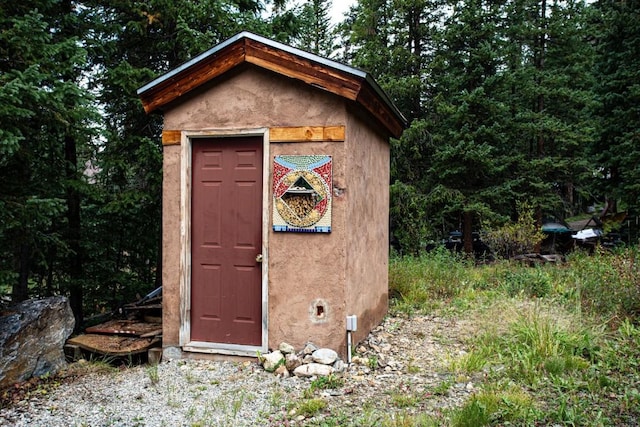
(395, 42)
(549, 95)
(468, 117)
(46, 120)
(617, 150)
(317, 32)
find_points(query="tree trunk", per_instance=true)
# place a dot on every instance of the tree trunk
(74, 230)
(467, 231)
(158, 278)
(20, 290)
(538, 246)
(539, 61)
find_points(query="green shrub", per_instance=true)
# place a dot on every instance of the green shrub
(517, 238)
(310, 407)
(327, 382)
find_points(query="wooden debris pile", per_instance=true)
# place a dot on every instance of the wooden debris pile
(137, 333)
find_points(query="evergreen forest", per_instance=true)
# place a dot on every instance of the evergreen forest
(509, 103)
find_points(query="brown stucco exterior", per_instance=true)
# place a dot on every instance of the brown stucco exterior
(345, 271)
(171, 246)
(311, 282)
(367, 237)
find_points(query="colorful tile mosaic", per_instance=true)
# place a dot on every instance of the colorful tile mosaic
(302, 189)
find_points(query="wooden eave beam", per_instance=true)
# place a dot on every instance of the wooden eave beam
(192, 77)
(293, 66)
(370, 100)
(335, 81)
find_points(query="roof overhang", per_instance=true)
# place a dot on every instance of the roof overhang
(347, 82)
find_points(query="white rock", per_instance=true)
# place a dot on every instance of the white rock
(325, 356)
(272, 360)
(339, 366)
(313, 369)
(286, 348)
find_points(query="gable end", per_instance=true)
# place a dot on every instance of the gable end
(336, 78)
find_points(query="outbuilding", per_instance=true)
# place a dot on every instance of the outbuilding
(275, 199)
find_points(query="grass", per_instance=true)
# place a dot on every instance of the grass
(550, 345)
(496, 406)
(326, 383)
(422, 284)
(152, 373)
(402, 399)
(310, 407)
(554, 344)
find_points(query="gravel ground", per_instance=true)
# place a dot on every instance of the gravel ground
(399, 369)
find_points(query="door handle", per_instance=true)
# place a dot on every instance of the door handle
(259, 258)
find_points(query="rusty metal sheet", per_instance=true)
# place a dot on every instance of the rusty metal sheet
(113, 345)
(124, 327)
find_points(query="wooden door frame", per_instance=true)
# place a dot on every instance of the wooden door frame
(186, 138)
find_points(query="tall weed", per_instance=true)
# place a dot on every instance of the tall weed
(532, 282)
(496, 406)
(608, 283)
(568, 334)
(540, 343)
(419, 283)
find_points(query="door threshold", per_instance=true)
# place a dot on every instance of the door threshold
(225, 349)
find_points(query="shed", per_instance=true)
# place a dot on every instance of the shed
(275, 199)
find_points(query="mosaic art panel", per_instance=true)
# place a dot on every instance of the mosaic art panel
(302, 189)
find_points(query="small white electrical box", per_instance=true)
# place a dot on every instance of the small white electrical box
(352, 323)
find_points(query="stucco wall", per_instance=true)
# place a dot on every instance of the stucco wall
(305, 270)
(367, 269)
(171, 245)
(255, 98)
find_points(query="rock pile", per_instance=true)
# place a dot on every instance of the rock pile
(311, 361)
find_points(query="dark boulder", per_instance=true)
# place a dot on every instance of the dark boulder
(32, 336)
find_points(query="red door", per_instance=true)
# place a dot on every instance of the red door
(226, 237)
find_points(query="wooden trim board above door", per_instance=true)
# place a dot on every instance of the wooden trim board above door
(306, 134)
